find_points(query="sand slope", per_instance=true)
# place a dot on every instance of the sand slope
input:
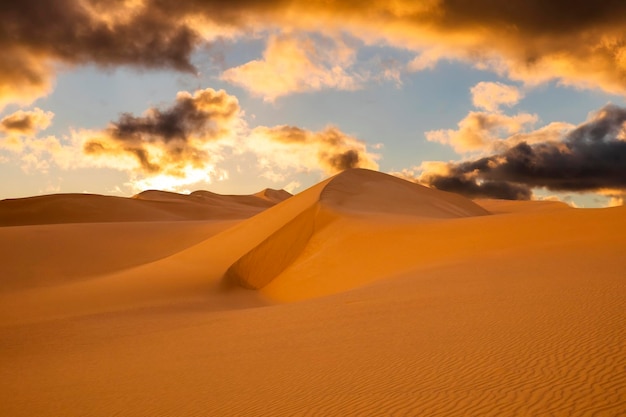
(46, 255)
(416, 303)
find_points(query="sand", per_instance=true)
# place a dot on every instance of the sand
(363, 295)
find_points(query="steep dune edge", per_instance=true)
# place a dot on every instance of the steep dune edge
(350, 192)
(259, 266)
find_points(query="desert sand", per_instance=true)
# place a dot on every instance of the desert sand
(364, 295)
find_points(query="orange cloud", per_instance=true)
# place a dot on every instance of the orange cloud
(168, 147)
(492, 130)
(187, 142)
(26, 122)
(24, 76)
(293, 63)
(282, 148)
(491, 96)
(480, 131)
(17, 129)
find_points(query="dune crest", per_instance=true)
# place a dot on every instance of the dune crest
(363, 190)
(351, 192)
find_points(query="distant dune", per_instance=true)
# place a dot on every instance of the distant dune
(146, 206)
(275, 196)
(363, 295)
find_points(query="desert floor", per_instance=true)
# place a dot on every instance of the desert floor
(364, 295)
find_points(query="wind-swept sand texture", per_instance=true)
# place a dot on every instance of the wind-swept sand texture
(371, 296)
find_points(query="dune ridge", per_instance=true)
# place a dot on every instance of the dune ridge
(363, 190)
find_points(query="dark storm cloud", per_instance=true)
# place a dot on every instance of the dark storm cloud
(589, 158)
(70, 32)
(471, 188)
(346, 160)
(198, 114)
(535, 16)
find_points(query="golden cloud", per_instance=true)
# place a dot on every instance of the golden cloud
(293, 64)
(283, 148)
(533, 41)
(491, 96)
(178, 142)
(185, 143)
(480, 131)
(17, 129)
(26, 122)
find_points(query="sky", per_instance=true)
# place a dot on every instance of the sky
(489, 99)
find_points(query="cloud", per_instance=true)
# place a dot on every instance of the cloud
(36, 35)
(292, 186)
(616, 197)
(26, 122)
(173, 146)
(591, 157)
(427, 59)
(24, 76)
(17, 129)
(282, 148)
(492, 130)
(533, 41)
(491, 96)
(35, 154)
(187, 143)
(482, 130)
(293, 63)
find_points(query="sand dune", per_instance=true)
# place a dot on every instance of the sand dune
(351, 192)
(363, 295)
(275, 196)
(147, 206)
